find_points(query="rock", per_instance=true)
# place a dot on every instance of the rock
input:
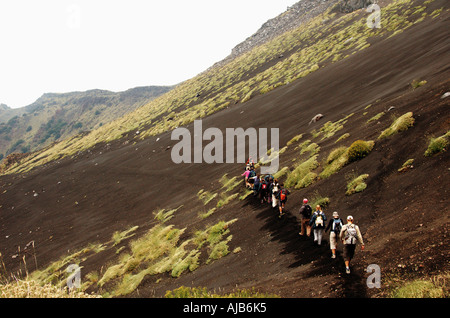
(316, 118)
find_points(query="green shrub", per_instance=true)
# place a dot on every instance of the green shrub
(400, 124)
(202, 292)
(359, 149)
(335, 161)
(408, 164)
(312, 148)
(302, 173)
(295, 139)
(376, 117)
(206, 196)
(416, 83)
(318, 199)
(437, 145)
(281, 173)
(344, 136)
(423, 288)
(357, 184)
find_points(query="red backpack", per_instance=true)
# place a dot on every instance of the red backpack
(283, 195)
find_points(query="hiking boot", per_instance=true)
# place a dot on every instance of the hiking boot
(333, 256)
(347, 270)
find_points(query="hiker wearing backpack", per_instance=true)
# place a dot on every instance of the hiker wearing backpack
(264, 190)
(318, 224)
(282, 197)
(257, 185)
(275, 190)
(349, 235)
(269, 191)
(305, 214)
(335, 225)
(251, 163)
(251, 177)
(246, 175)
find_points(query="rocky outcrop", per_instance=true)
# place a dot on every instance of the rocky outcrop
(295, 16)
(292, 18)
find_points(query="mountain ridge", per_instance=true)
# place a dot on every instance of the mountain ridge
(295, 15)
(35, 126)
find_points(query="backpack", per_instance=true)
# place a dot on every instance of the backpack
(275, 190)
(337, 226)
(350, 238)
(307, 211)
(264, 186)
(283, 195)
(252, 174)
(319, 220)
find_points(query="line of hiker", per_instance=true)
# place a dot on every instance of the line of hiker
(349, 234)
(270, 191)
(266, 188)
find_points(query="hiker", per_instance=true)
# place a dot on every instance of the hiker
(275, 189)
(349, 235)
(264, 190)
(245, 175)
(282, 197)
(335, 225)
(257, 185)
(251, 177)
(318, 224)
(251, 163)
(305, 214)
(269, 191)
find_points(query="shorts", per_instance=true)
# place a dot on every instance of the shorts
(333, 240)
(349, 251)
(281, 203)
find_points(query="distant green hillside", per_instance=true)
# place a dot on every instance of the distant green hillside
(59, 116)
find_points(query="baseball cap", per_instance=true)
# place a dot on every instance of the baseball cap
(305, 201)
(349, 217)
(335, 214)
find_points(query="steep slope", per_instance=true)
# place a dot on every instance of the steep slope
(60, 116)
(295, 15)
(74, 205)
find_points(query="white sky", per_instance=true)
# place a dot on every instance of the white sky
(56, 46)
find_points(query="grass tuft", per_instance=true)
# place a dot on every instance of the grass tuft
(437, 145)
(302, 175)
(400, 124)
(357, 184)
(359, 149)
